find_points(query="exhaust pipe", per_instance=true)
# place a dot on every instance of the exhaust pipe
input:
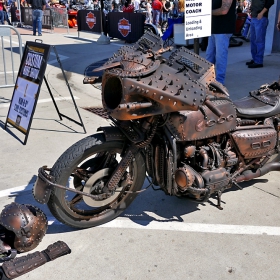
(249, 175)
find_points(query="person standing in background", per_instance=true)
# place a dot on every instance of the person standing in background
(136, 6)
(38, 6)
(223, 26)
(6, 15)
(157, 7)
(259, 22)
(2, 11)
(128, 7)
(175, 8)
(149, 12)
(181, 7)
(166, 6)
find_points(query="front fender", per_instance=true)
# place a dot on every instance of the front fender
(112, 133)
(43, 186)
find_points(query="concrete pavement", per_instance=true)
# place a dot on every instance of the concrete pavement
(158, 237)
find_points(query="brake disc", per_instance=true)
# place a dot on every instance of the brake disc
(90, 187)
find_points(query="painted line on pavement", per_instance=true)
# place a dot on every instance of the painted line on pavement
(44, 100)
(16, 190)
(193, 227)
(186, 227)
(127, 223)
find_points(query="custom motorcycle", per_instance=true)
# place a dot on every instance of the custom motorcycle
(172, 123)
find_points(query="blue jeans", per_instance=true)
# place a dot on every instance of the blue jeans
(37, 18)
(6, 17)
(165, 16)
(258, 31)
(2, 17)
(217, 53)
(156, 14)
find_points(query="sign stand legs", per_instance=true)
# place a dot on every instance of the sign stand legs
(74, 102)
(28, 85)
(48, 87)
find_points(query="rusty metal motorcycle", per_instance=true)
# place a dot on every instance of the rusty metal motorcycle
(172, 123)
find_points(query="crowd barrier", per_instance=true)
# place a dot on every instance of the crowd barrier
(26, 15)
(59, 17)
(9, 59)
(52, 17)
(124, 26)
(90, 21)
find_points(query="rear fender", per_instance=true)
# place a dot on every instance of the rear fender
(151, 27)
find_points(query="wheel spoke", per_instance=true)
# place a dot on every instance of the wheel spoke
(76, 199)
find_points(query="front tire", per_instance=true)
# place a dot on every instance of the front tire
(86, 166)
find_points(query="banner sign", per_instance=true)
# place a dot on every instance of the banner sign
(126, 26)
(27, 88)
(27, 18)
(197, 19)
(89, 20)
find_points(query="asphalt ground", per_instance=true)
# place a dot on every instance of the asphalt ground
(158, 236)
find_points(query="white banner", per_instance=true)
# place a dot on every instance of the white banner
(21, 108)
(197, 18)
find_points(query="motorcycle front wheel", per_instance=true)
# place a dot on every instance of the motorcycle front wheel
(86, 166)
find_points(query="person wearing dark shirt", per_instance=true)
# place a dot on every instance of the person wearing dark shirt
(259, 21)
(6, 16)
(38, 6)
(115, 7)
(166, 6)
(223, 26)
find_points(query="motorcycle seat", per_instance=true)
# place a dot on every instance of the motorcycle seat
(250, 107)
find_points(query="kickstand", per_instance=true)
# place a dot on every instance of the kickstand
(219, 194)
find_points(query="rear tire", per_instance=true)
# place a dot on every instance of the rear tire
(86, 157)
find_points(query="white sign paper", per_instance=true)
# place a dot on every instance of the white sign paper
(25, 95)
(197, 18)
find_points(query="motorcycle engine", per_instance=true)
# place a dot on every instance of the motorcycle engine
(212, 169)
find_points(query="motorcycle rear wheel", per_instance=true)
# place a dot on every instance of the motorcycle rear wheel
(86, 157)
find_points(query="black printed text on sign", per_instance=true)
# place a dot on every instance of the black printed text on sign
(197, 19)
(28, 84)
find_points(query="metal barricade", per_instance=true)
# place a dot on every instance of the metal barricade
(9, 59)
(59, 17)
(27, 17)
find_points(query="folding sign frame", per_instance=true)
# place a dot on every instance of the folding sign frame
(28, 84)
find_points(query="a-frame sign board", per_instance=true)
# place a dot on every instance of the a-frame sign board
(28, 84)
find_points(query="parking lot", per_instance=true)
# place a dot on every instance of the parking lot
(158, 236)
